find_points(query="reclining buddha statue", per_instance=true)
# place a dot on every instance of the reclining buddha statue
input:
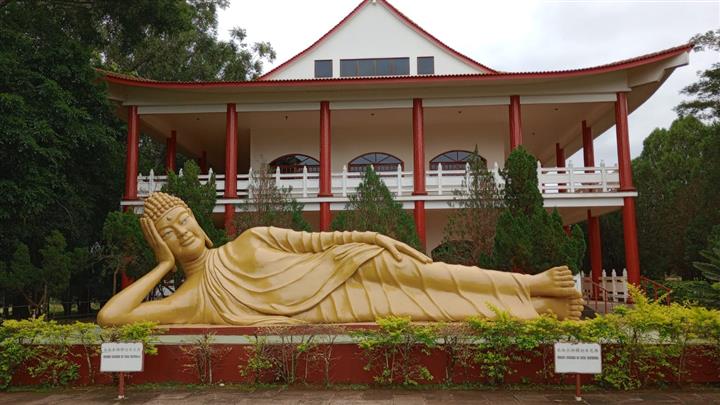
(271, 275)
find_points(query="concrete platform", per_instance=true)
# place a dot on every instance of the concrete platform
(358, 395)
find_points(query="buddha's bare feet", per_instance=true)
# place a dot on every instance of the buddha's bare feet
(555, 282)
(563, 308)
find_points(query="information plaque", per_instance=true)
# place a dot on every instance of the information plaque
(580, 358)
(121, 357)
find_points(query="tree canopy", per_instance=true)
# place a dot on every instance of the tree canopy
(372, 208)
(61, 145)
(469, 235)
(528, 238)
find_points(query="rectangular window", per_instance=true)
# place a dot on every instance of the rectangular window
(426, 65)
(348, 67)
(374, 67)
(323, 68)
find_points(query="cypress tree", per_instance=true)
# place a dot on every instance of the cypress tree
(372, 208)
(528, 237)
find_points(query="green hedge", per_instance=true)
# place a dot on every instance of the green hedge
(44, 347)
(646, 344)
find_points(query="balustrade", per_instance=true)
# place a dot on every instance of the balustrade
(439, 182)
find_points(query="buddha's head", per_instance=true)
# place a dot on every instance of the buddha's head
(177, 226)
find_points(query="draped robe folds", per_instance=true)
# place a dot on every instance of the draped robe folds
(273, 275)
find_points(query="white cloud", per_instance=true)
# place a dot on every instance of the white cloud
(519, 35)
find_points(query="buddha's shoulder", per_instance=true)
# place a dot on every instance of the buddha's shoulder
(257, 235)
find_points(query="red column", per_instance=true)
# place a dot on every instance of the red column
(170, 152)
(202, 162)
(131, 170)
(632, 255)
(559, 155)
(594, 240)
(419, 168)
(325, 165)
(588, 147)
(560, 162)
(515, 123)
(131, 156)
(231, 144)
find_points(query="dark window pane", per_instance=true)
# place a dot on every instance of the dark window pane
(323, 68)
(367, 67)
(348, 67)
(426, 65)
(383, 67)
(294, 164)
(381, 162)
(402, 66)
(452, 160)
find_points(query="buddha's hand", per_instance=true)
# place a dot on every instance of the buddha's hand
(399, 249)
(163, 255)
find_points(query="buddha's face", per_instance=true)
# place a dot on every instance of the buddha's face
(183, 235)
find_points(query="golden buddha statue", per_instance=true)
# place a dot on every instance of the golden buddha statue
(271, 275)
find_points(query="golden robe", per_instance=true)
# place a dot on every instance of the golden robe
(274, 275)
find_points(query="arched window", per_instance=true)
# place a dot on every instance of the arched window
(293, 163)
(452, 160)
(381, 162)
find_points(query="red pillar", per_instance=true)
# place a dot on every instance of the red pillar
(131, 170)
(594, 240)
(515, 123)
(231, 144)
(170, 152)
(325, 165)
(632, 255)
(419, 168)
(202, 162)
(559, 155)
(131, 156)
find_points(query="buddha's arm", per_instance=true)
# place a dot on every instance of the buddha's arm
(127, 305)
(315, 242)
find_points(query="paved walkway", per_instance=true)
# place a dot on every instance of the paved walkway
(233, 395)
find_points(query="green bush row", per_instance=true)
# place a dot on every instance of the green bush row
(644, 344)
(44, 347)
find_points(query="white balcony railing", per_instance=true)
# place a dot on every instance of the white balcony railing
(439, 182)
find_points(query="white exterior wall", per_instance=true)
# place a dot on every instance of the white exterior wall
(349, 142)
(490, 140)
(373, 32)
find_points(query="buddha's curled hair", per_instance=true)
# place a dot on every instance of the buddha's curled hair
(159, 203)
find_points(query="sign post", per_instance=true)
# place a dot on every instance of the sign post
(121, 358)
(578, 358)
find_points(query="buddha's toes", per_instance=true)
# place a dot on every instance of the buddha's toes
(563, 308)
(555, 282)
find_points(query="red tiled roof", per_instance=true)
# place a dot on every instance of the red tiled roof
(614, 66)
(403, 18)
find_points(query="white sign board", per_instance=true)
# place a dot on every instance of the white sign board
(581, 358)
(121, 357)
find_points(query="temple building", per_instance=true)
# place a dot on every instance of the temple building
(379, 90)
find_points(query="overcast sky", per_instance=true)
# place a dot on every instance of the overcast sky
(517, 35)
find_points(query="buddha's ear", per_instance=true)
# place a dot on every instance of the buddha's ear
(208, 242)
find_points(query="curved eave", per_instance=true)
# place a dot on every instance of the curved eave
(402, 81)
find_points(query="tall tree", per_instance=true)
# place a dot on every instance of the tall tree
(675, 207)
(269, 205)
(469, 235)
(36, 281)
(193, 53)
(706, 91)
(528, 238)
(372, 208)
